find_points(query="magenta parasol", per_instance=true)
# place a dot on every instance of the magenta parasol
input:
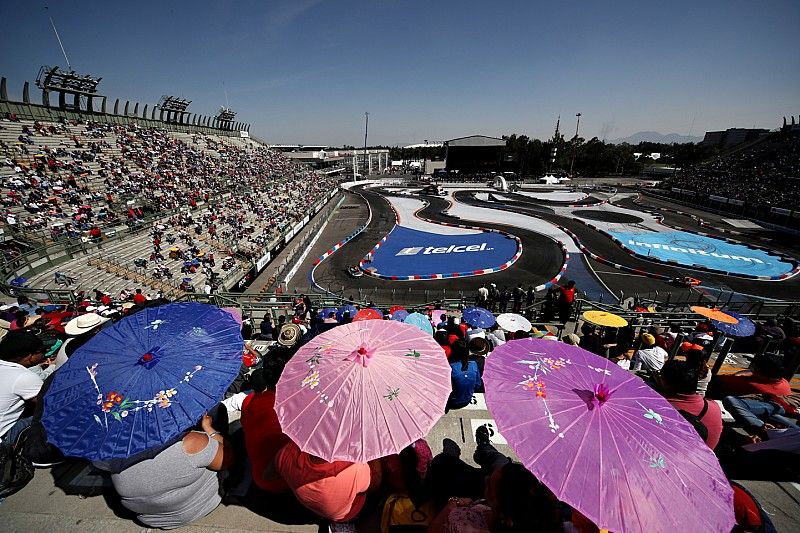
(603, 441)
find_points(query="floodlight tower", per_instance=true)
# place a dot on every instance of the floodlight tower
(574, 144)
(225, 118)
(366, 133)
(80, 87)
(173, 107)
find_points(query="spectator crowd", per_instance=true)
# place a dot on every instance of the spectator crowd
(252, 463)
(767, 173)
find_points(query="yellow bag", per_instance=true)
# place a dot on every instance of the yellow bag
(400, 515)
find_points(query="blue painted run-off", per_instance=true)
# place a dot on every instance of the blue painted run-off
(410, 252)
(689, 249)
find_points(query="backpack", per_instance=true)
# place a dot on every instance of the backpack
(696, 420)
(401, 515)
(15, 470)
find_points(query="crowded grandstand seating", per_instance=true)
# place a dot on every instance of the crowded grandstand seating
(767, 172)
(215, 202)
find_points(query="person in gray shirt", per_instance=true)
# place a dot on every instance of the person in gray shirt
(180, 484)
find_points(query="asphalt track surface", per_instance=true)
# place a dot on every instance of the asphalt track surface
(541, 258)
(607, 216)
(630, 284)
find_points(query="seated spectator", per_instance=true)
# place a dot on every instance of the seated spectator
(465, 376)
(80, 330)
(650, 357)
(679, 381)
(335, 491)
(756, 414)
(591, 340)
(515, 502)
(405, 472)
(698, 359)
(139, 298)
(19, 387)
(180, 483)
(262, 431)
(573, 339)
(766, 378)
(265, 329)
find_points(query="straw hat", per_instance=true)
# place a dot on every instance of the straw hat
(289, 335)
(5, 326)
(571, 338)
(30, 319)
(84, 323)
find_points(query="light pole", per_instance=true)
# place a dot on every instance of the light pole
(574, 144)
(425, 158)
(366, 132)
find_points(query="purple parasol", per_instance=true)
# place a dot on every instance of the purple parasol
(603, 441)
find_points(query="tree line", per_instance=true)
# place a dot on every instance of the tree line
(531, 157)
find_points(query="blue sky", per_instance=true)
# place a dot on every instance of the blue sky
(305, 71)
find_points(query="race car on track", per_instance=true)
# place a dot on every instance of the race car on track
(686, 281)
(354, 272)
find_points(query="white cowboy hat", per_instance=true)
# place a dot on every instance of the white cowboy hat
(5, 326)
(84, 323)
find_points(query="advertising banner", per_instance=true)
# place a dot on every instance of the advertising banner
(410, 252)
(690, 249)
(262, 261)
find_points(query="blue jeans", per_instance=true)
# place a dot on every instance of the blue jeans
(754, 413)
(10, 438)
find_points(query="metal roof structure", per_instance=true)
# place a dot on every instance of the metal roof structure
(476, 141)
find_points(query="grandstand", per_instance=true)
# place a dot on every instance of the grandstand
(761, 178)
(117, 202)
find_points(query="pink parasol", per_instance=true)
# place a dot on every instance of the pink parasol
(363, 390)
(436, 316)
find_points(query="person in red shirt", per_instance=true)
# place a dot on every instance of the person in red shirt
(566, 300)
(139, 298)
(335, 491)
(679, 381)
(766, 379)
(263, 436)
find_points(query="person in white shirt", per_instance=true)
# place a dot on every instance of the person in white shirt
(650, 356)
(19, 350)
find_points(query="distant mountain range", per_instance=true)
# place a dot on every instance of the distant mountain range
(655, 137)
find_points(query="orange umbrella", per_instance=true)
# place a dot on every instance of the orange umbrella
(714, 314)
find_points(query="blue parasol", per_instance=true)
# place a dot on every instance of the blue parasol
(346, 308)
(744, 328)
(140, 384)
(421, 321)
(323, 313)
(400, 315)
(478, 317)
